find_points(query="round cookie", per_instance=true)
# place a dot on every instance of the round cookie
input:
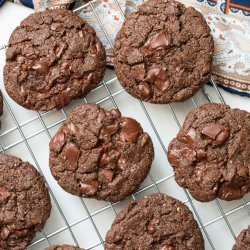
(63, 247)
(24, 203)
(100, 154)
(243, 240)
(163, 52)
(210, 154)
(52, 58)
(157, 222)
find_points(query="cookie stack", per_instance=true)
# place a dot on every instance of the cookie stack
(163, 54)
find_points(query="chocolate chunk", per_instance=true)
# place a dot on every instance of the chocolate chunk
(5, 232)
(159, 78)
(41, 67)
(59, 49)
(173, 159)
(189, 137)
(210, 159)
(130, 130)
(159, 41)
(222, 137)
(62, 59)
(89, 188)
(107, 174)
(4, 194)
(108, 131)
(201, 153)
(24, 203)
(58, 141)
(70, 129)
(56, 26)
(144, 90)
(102, 155)
(167, 247)
(212, 130)
(155, 223)
(21, 233)
(72, 154)
(163, 35)
(121, 164)
(115, 112)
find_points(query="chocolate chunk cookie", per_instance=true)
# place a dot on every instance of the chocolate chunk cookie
(157, 222)
(210, 155)
(1, 105)
(163, 52)
(243, 240)
(100, 154)
(53, 57)
(24, 203)
(63, 247)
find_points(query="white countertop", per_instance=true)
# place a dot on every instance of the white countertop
(77, 213)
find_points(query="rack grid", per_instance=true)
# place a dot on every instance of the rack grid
(84, 222)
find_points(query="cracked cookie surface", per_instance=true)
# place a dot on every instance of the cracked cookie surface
(100, 154)
(157, 222)
(163, 52)
(210, 155)
(243, 240)
(52, 58)
(24, 203)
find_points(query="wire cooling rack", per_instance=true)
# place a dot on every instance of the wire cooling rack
(84, 222)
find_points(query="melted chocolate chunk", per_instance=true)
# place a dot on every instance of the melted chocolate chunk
(130, 130)
(159, 78)
(159, 41)
(144, 90)
(72, 154)
(89, 188)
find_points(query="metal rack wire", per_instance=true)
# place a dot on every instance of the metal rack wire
(154, 184)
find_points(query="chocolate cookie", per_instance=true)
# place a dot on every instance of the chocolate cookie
(1, 105)
(163, 52)
(100, 154)
(53, 57)
(24, 203)
(210, 155)
(157, 222)
(243, 240)
(63, 247)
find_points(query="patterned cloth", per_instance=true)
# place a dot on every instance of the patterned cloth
(229, 21)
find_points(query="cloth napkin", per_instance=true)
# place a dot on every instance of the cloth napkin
(229, 21)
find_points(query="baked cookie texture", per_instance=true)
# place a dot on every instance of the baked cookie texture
(163, 52)
(100, 154)
(53, 57)
(24, 203)
(243, 240)
(157, 222)
(210, 154)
